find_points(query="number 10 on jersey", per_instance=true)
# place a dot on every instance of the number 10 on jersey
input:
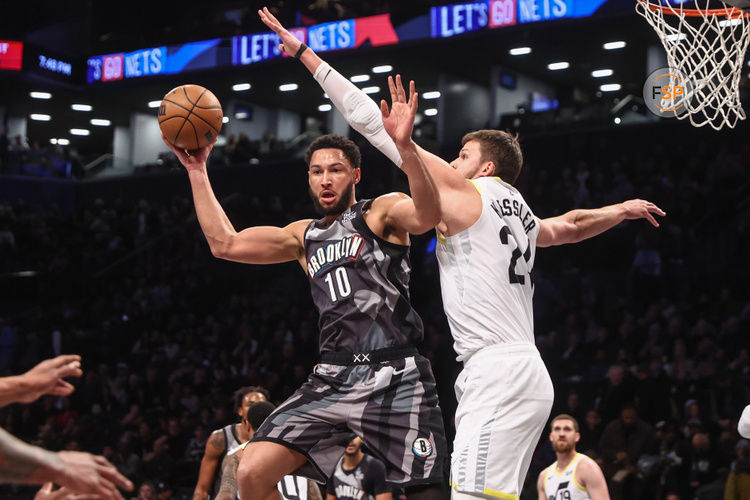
(342, 283)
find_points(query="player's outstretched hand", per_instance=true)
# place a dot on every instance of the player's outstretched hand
(399, 121)
(193, 159)
(289, 44)
(48, 492)
(47, 378)
(642, 209)
(91, 474)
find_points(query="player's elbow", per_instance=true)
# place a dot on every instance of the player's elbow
(221, 249)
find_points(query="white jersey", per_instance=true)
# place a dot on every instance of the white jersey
(485, 272)
(563, 485)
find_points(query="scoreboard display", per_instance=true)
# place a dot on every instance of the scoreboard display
(11, 55)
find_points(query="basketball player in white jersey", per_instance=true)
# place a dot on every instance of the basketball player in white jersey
(743, 426)
(573, 476)
(487, 237)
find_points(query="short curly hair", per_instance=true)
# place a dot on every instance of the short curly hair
(240, 394)
(335, 141)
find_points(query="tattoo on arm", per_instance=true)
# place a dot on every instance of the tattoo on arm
(23, 463)
(313, 491)
(228, 485)
(218, 440)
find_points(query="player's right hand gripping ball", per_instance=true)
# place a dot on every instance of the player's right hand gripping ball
(190, 116)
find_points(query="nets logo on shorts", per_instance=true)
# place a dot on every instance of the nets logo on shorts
(422, 447)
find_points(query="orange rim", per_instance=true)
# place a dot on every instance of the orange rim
(731, 13)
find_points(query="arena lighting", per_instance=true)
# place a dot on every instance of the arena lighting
(601, 73)
(386, 68)
(617, 120)
(614, 45)
(100, 122)
(324, 107)
(431, 95)
(154, 104)
(675, 37)
(241, 115)
(360, 78)
(225, 119)
(41, 95)
(730, 22)
(371, 90)
(53, 141)
(40, 117)
(520, 51)
(555, 66)
(239, 87)
(79, 131)
(430, 112)
(288, 87)
(81, 107)
(610, 87)
(63, 142)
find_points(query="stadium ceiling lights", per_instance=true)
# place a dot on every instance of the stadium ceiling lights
(610, 87)
(520, 51)
(63, 142)
(324, 107)
(100, 122)
(556, 66)
(371, 90)
(78, 131)
(601, 73)
(430, 112)
(154, 104)
(81, 107)
(360, 78)
(240, 87)
(41, 95)
(431, 95)
(386, 68)
(288, 87)
(40, 117)
(225, 119)
(614, 45)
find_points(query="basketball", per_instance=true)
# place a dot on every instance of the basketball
(190, 116)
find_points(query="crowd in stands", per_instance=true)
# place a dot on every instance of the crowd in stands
(643, 330)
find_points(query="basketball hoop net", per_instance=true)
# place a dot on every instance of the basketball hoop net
(708, 47)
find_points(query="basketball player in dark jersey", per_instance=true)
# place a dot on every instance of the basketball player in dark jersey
(290, 487)
(358, 476)
(370, 380)
(225, 440)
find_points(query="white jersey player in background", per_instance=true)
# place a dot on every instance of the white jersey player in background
(487, 242)
(573, 476)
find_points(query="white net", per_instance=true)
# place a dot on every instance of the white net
(708, 47)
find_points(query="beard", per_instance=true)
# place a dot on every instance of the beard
(563, 447)
(351, 454)
(335, 209)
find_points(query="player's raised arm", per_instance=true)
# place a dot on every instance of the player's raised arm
(255, 245)
(578, 225)
(421, 212)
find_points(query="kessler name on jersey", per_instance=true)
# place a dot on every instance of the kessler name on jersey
(347, 248)
(507, 207)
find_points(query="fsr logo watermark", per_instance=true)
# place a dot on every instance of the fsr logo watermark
(667, 91)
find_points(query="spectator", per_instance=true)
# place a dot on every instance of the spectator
(738, 482)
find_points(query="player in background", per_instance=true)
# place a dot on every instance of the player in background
(226, 440)
(358, 476)
(290, 487)
(743, 426)
(573, 476)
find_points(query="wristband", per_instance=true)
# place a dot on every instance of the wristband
(302, 48)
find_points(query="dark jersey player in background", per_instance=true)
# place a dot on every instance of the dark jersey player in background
(358, 476)
(370, 381)
(226, 440)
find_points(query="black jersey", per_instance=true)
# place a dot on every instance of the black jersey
(360, 285)
(364, 482)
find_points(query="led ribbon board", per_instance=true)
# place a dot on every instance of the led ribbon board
(11, 55)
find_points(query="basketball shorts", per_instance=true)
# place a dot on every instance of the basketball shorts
(504, 398)
(387, 397)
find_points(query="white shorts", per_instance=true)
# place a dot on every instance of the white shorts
(504, 398)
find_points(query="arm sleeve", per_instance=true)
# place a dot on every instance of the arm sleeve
(361, 112)
(376, 483)
(743, 426)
